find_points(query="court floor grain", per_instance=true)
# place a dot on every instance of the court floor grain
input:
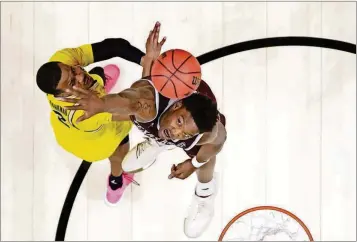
(291, 118)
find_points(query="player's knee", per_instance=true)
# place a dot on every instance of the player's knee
(121, 151)
(119, 155)
(114, 159)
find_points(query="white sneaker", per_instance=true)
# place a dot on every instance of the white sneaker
(200, 214)
(142, 156)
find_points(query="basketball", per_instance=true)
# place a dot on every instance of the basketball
(176, 74)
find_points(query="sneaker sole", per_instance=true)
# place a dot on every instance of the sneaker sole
(195, 237)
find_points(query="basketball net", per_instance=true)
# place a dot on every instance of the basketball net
(266, 223)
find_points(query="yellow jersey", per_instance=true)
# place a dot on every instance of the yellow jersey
(95, 138)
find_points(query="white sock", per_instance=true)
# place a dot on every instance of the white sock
(205, 189)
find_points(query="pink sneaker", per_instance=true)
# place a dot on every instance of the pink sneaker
(112, 73)
(112, 197)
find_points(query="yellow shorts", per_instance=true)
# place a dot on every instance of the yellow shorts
(92, 147)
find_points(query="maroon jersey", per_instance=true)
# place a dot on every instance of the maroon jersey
(150, 128)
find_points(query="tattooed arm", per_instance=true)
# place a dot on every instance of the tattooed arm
(138, 100)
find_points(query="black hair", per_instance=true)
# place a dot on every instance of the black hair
(48, 77)
(203, 110)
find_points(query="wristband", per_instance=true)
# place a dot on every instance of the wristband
(197, 164)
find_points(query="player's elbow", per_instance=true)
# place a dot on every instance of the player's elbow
(221, 139)
(221, 134)
(220, 146)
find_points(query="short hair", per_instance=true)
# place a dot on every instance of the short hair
(48, 77)
(203, 110)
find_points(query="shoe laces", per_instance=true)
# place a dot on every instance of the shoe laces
(201, 206)
(128, 177)
(141, 147)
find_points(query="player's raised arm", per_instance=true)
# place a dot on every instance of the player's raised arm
(153, 49)
(116, 47)
(110, 48)
(138, 101)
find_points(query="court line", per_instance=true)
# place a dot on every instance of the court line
(70, 198)
(275, 42)
(203, 59)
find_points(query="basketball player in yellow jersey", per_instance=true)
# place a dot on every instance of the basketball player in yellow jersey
(99, 137)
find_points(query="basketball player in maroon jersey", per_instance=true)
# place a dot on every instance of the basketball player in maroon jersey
(193, 124)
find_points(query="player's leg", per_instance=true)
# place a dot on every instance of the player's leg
(205, 172)
(201, 210)
(118, 156)
(118, 180)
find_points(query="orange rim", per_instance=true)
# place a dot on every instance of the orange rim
(265, 208)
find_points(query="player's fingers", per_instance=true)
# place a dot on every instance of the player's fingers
(181, 176)
(149, 36)
(81, 90)
(67, 100)
(157, 32)
(172, 175)
(177, 171)
(75, 107)
(75, 93)
(78, 92)
(157, 24)
(152, 33)
(70, 91)
(162, 42)
(85, 116)
(81, 118)
(173, 169)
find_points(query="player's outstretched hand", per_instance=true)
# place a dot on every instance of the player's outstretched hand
(182, 170)
(153, 46)
(84, 100)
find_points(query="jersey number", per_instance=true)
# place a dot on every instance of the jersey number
(61, 118)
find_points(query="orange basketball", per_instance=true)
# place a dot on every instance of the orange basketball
(176, 74)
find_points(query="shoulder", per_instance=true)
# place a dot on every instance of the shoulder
(82, 55)
(216, 137)
(144, 89)
(143, 82)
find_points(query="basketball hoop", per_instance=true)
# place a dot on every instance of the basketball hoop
(266, 223)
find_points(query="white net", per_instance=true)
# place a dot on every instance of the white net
(266, 225)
